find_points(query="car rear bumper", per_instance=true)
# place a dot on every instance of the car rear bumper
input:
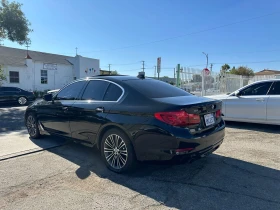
(165, 146)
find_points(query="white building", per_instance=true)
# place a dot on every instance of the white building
(43, 71)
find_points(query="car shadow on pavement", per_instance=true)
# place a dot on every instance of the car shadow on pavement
(11, 118)
(254, 127)
(215, 182)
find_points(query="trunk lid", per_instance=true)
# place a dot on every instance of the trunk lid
(206, 108)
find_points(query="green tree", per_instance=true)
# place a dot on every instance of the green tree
(2, 76)
(242, 70)
(225, 67)
(114, 73)
(13, 23)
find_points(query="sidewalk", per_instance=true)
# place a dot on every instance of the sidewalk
(14, 144)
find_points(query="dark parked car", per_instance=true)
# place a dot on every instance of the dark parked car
(15, 95)
(129, 119)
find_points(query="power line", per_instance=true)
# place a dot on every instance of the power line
(249, 52)
(273, 61)
(126, 64)
(172, 68)
(188, 34)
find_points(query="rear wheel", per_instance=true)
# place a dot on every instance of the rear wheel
(32, 126)
(22, 100)
(117, 151)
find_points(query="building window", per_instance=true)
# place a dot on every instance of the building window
(14, 76)
(44, 76)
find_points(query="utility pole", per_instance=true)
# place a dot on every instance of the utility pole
(110, 69)
(174, 73)
(211, 65)
(143, 66)
(206, 59)
(203, 75)
(178, 76)
(155, 74)
(76, 50)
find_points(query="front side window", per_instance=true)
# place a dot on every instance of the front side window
(71, 92)
(275, 89)
(95, 90)
(256, 89)
(44, 76)
(14, 76)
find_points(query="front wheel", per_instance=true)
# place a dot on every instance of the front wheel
(117, 151)
(22, 101)
(32, 126)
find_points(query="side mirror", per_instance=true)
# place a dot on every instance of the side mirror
(237, 93)
(48, 97)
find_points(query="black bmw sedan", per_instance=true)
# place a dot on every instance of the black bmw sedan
(15, 95)
(129, 119)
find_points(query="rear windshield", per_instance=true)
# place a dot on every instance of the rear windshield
(156, 89)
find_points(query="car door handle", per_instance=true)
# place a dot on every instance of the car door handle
(99, 109)
(65, 108)
(260, 99)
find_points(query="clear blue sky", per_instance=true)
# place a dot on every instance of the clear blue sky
(100, 27)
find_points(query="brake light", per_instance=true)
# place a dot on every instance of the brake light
(218, 113)
(178, 118)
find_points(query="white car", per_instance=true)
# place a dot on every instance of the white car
(53, 92)
(258, 102)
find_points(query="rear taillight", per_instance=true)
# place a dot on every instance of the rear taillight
(218, 113)
(178, 118)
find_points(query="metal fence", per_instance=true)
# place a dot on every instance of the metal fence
(215, 83)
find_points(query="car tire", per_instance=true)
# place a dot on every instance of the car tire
(22, 100)
(117, 151)
(32, 126)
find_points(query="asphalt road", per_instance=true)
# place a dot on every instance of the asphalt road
(242, 174)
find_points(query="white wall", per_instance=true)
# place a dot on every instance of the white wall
(56, 78)
(30, 76)
(85, 64)
(25, 76)
(76, 66)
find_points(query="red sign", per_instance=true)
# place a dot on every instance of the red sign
(206, 71)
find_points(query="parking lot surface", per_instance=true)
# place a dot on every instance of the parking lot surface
(244, 173)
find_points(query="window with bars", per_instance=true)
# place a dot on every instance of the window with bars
(14, 76)
(44, 76)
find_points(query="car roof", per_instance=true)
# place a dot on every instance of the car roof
(10, 87)
(113, 77)
(267, 80)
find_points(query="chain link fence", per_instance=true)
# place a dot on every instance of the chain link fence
(216, 82)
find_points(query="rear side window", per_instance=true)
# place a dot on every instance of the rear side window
(113, 93)
(256, 89)
(71, 92)
(156, 89)
(95, 90)
(10, 89)
(275, 89)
